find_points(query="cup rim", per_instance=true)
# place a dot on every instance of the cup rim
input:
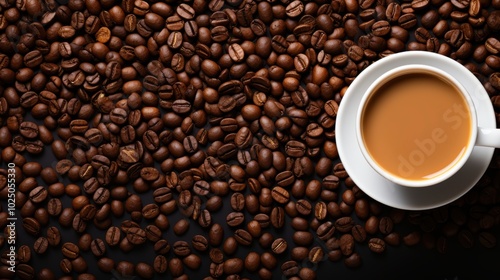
(399, 71)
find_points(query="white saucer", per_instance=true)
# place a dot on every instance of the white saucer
(379, 188)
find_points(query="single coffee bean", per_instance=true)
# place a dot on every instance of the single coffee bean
(385, 225)
(294, 9)
(233, 266)
(277, 217)
(316, 254)
(353, 260)
(40, 246)
(136, 235)
(414, 238)
(98, 247)
(325, 230)
(302, 238)
(303, 207)
(392, 239)
(113, 236)
(243, 237)
(205, 219)
(181, 248)
(347, 244)
(70, 250)
(234, 219)
(344, 224)
(53, 236)
(153, 233)
(31, 226)
(280, 195)
(161, 246)
(185, 11)
(359, 234)
(29, 129)
(215, 234)
(376, 245)
(84, 242)
(160, 264)
(290, 268)
(38, 194)
(237, 201)
(200, 243)
(25, 271)
(24, 254)
(279, 246)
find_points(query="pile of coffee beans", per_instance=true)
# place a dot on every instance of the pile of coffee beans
(203, 132)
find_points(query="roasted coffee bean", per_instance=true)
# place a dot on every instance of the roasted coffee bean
(392, 239)
(290, 268)
(277, 217)
(25, 271)
(414, 238)
(279, 246)
(407, 21)
(358, 233)
(161, 246)
(70, 250)
(385, 225)
(136, 235)
(38, 194)
(316, 254)
(243, 237)
(113, 236)
(237, 201)
(40, 246)
(181, 227)
(153, 233)
(29, 129)
(325, 230)
(53, 236)
(234, 219)
(185, 11)
(160, 264)
(344, 224)
(98, 247)
(294, 9)
(376, 245)
(200, 243)
(303, 207)
(31, 226)
(215, 234)
(280, 195)
(353, 260)
(84, 242)
(302, 238)
(181, 248)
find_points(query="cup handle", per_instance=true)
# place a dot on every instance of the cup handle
(488, 137)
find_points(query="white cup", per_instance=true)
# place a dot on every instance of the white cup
(478, 136)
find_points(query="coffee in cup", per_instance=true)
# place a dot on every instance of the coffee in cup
(417, 125)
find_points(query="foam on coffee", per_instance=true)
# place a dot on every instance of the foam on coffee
(416, 126)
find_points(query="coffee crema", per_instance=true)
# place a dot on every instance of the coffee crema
(416, 126)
